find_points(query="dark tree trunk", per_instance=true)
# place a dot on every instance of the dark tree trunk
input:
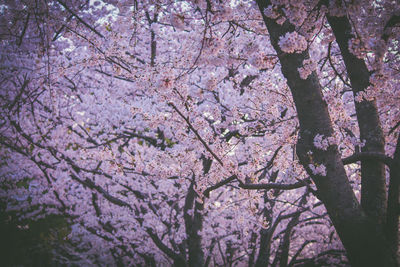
(193, 225)
(393, 207)
(264, 251)
(265, 246)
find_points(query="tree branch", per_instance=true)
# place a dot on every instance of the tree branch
(196, 133)
(360, 156)
(157, 241)
(80, 19)
(392, 22)
(92, 185)
(269, 186)
(218, 185)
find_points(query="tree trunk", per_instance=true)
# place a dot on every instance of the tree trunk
(364, 241)
(373, 181)
(193, 225)
(393, 207)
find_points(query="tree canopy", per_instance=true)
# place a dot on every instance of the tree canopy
(203, 133)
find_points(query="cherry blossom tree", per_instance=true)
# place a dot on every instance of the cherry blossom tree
(204, 133)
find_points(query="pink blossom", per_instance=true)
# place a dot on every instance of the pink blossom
(292, 42)
(308, 67)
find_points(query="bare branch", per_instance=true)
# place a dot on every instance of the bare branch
(157, 241)
(360, 156)
(79, 18)
(218, 185)
(103, 192)
(269, 186)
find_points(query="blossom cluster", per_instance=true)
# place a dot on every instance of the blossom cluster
(308, 67)
(322, 142)
(177, 21)
(261, 61)
(296, 12)
(271, 12)
(318, 169)
(357, 47)
(292, 42)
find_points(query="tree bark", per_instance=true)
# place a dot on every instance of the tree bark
(393, 206)
(364, 241)
(193, 225)
(266, 235)
(373, 182)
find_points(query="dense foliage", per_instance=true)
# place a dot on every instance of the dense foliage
(202, 133)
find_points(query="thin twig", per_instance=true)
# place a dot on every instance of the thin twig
(196, 133)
